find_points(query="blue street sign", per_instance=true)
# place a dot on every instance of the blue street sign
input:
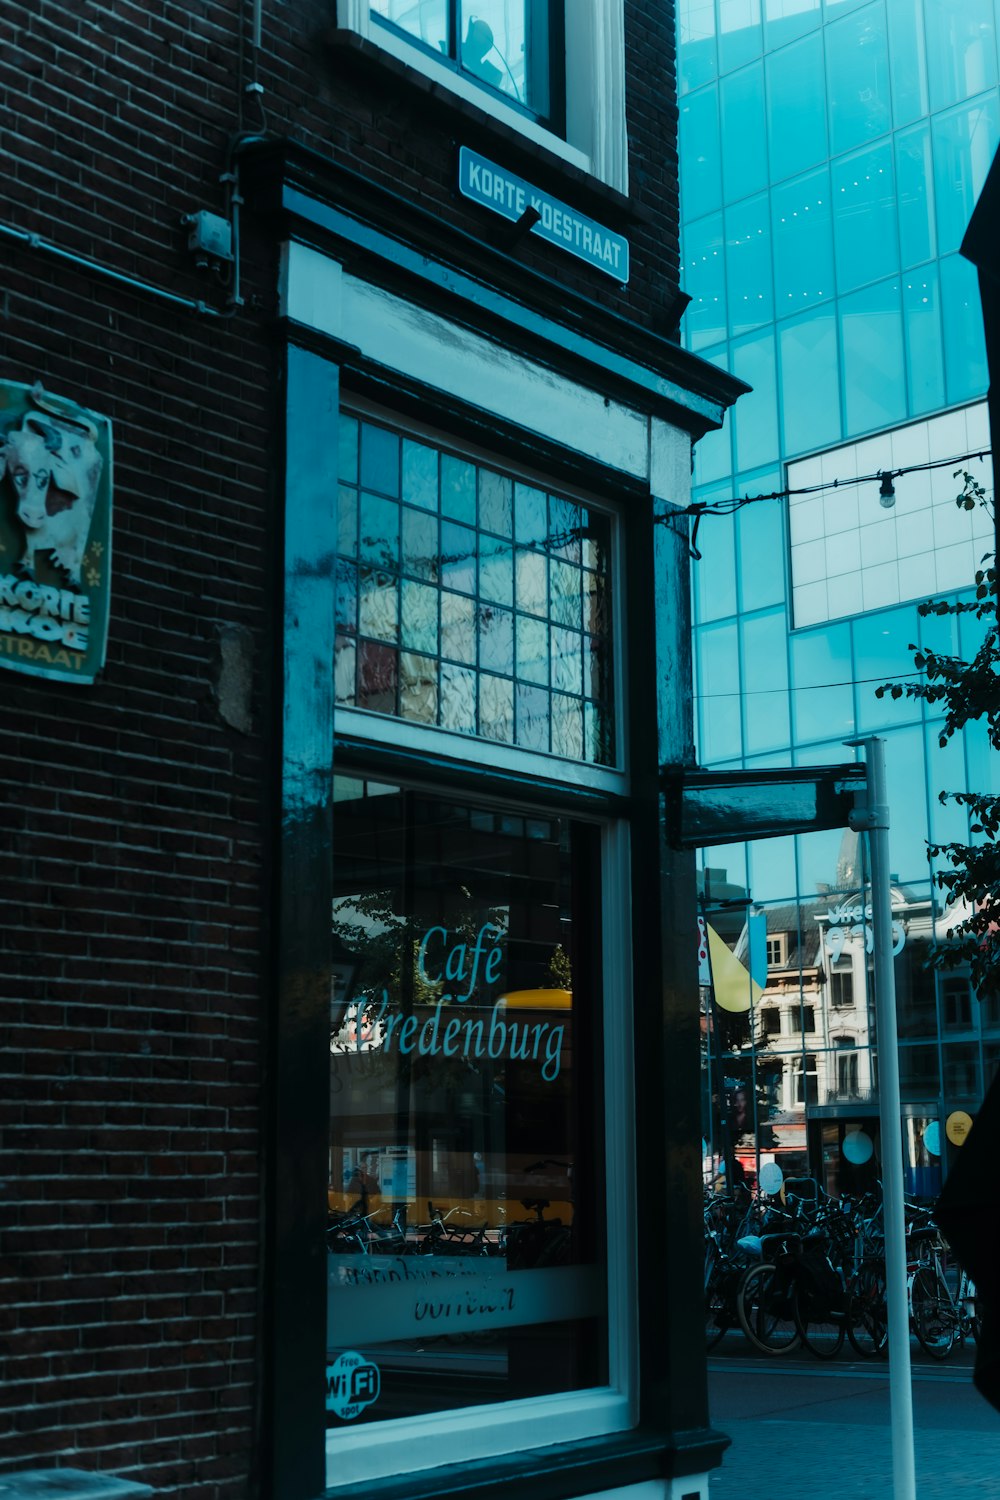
(495, 188)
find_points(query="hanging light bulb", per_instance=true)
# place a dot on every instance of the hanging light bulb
(887, 490)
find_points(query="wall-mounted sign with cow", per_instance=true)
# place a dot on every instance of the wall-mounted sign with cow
(55, 534)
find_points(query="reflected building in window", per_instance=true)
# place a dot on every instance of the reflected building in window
(831, 156)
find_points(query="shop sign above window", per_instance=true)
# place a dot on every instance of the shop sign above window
(55, 534)
(495, 188)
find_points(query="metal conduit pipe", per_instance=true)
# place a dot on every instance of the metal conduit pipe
(35, 242)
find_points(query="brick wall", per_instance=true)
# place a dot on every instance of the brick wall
(133, 990)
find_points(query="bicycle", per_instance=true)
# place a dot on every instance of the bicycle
(765, 1301)
(939, 1317)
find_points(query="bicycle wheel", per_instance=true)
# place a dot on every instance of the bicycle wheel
(934, 1319)
(867, 1316)
(715, 1299)
(765, 1305)
(820, 1327)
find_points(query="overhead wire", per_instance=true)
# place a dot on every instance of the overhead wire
(727, 507)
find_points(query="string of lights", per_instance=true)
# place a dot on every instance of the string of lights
(884, 478)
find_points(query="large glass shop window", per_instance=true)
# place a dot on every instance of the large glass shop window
(469, 600)
(466, 1234)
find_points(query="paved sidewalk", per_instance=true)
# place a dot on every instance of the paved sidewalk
(845, 1461)
(810, 1432)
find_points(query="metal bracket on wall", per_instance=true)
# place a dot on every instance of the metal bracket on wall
(704, 808)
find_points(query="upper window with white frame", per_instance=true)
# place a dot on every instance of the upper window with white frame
(560, 85)
(512, 47)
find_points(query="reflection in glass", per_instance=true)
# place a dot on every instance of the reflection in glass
(872, 335)
(965, 140)
(796, 91)
(924, 343)
(700, 152)
(822, 675)
(961, 50)
(714, 577)
(858, 78)
(765, 681)
(718, 693)
(810, 380)
(755, 421)
(906, 48)
(802, 242)
(864, 218)
(465, 1044)
(744, 142)
(705, 282)
(914, 186)
(761, 550)
(966, 372)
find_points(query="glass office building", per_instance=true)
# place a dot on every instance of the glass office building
(831, 155)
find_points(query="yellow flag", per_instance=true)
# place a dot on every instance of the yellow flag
(734, 989)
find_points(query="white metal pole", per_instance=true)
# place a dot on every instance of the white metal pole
(874, 819)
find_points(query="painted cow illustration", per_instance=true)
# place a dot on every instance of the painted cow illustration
(55, 469)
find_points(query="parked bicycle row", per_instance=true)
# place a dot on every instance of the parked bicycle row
(795, 1268)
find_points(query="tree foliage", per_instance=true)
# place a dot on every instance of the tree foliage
(969, 874)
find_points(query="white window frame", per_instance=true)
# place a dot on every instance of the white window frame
(454, 744)
(596, 137)
(411, 1444)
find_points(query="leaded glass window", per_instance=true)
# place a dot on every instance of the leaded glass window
(470, 600)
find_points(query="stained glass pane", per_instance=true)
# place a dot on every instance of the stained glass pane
(496, 640)
(565, 583)
(532, 591)
(458, 557)
(420, 543)
(530, 513)
(347, 522)
(378, 670)
(532, 717)
(379, 539)
(533, 650)
(418, 689)
(567, 726)
(598, 741)
(379, 459)
(347, 597)
(567, 661)
(496, 708)
(458, 489)
(458, 698)
(565, 529)
(458, 628)
(496, 571)
(347, 442)
(595, 668)
(419, 618)
(345, 670)
(420, 474)
(378, 615)
(496, 503)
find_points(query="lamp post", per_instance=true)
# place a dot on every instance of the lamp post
(871, 815)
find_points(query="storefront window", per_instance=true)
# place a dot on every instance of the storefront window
(468, 600)
(467, 1233)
